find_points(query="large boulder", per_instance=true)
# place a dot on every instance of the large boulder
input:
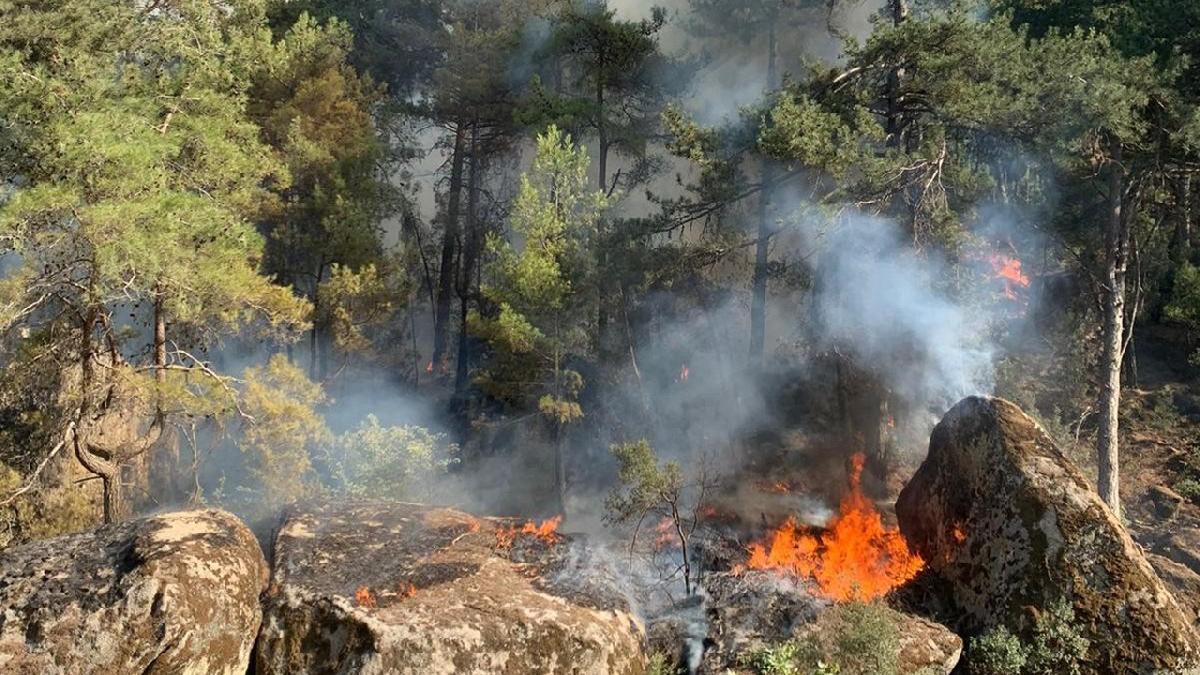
(377, 587)
(1010, 524)
(174, 593)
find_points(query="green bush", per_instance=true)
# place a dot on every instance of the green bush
(997, 652)
(659, 664)
(42, 513)
(401, 462)
(856, 639)
(1055, 647)
(1189, 489)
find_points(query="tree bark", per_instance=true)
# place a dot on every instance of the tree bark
(1181, 244)
(758, 293)
(602, 147)
(1116, 265)
(471, 243)
(446, 273)
(163, 459)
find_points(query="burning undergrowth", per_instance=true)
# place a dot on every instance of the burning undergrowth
(856, 557)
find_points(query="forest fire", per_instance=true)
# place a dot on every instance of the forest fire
(856, 558)
(546, 531)
(1008, 269)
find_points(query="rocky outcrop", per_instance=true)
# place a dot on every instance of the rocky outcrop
(175, 593)
(401, 588)
(751, 610)
(1009, 524)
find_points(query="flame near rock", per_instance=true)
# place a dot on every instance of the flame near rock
(856, 558)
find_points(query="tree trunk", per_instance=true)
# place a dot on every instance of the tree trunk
(602, 143)
(758, 293)
(471, 242)
(1181, 244)
(314, 337)
(446, 273)
(1116, 263)
(163, 459)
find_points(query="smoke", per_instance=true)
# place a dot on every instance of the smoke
(877, 298)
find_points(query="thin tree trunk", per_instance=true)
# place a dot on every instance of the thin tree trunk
(758, 294)
(446, 273)
(163, 459)
(1181, 245)
(314, 333)
(602, 143)
(1116, 264)
(471, 241)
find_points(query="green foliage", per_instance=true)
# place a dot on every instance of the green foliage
(282, 430)
(399, 462)
(1183, 305)
(646, 485)
(1055, 645)
(660, 664)
(360, 311)
(855, 639)
(42, 512)
(544, 292)
(997, 652)
(1189, 489)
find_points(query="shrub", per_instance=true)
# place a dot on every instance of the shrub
(1056, 647)
(660, 664)
(388, 462)
(855, 639)
(997, 652)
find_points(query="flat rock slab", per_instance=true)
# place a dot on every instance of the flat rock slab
(381, 587)
(1009, 523)
(174, 593)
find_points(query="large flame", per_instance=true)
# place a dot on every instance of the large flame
(1008, 270)
(857, 558)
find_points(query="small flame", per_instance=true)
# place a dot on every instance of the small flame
(1008, 269)
(684, 372)
(546, 531)
(856, 558)
(407, 589)
(364, 598)
(429, 368)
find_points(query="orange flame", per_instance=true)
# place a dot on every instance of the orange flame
(364, 598)
(429, 368)
(684, 371)
(1008, 269)
(407, 589)
(857, 558)
(547, 531)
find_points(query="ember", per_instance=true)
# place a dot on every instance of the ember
(364, 598)
(407, 589)
(1008, 269)
(857, 558)
(683, 373)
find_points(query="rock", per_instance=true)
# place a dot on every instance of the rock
(752, 610)
(1164, 501)
(174, 593)
(1184, 548)
(377, 587)
(1009, 523)
(1182, 581)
